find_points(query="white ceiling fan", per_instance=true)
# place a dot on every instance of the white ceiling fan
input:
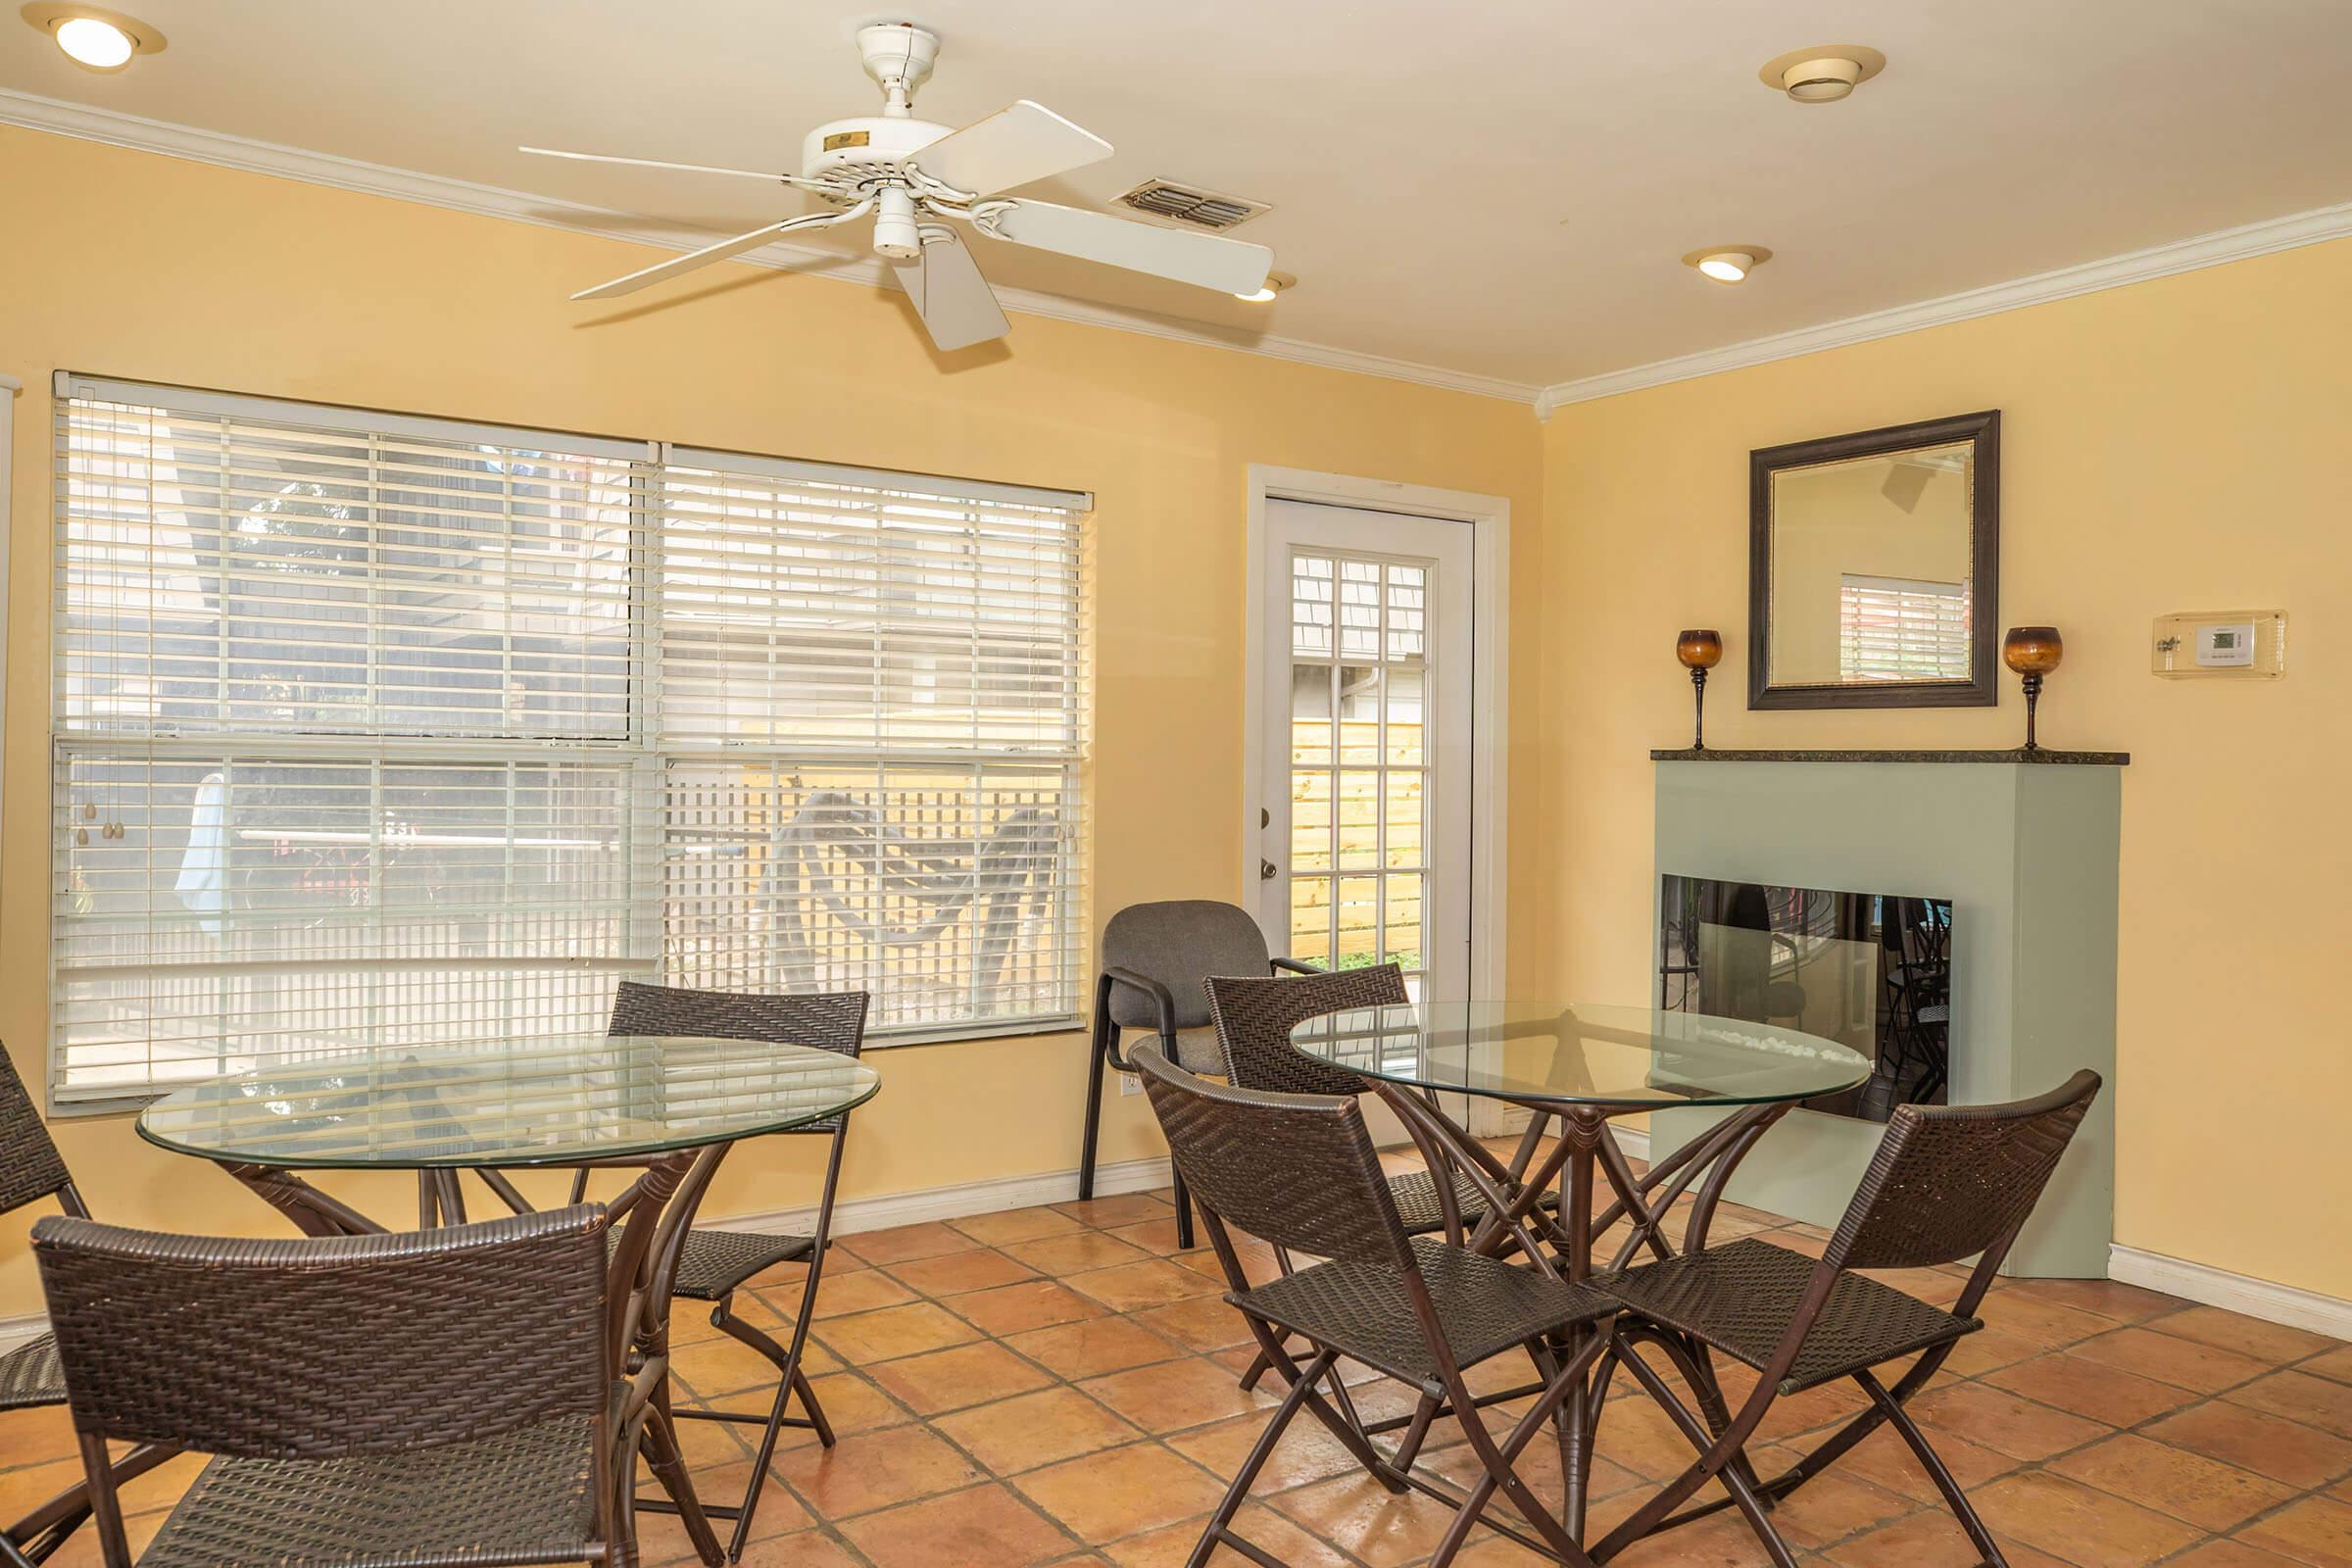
(910, 173)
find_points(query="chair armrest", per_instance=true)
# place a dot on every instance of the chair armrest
(1163, 1003)
(1293, 965)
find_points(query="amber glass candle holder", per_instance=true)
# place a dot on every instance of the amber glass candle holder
(1699, 652)
(2032, 652)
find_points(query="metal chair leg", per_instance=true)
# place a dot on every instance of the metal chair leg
(1730, 1472)
(1933, 1462)
(1184, 1215)
(791, 1382)
(1094, 1121)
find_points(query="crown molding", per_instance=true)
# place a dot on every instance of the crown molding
(117, 130)
(2313, 227)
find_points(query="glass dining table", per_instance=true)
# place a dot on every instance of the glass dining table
(668, 1106)
(1575, 1067)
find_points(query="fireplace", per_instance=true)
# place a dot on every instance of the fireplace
(1870, 970)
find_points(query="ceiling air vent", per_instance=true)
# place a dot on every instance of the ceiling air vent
(1188, 204)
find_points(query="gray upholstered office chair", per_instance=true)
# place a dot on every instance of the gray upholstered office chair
(1157, 961)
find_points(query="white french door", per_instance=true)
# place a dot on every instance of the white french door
(1365, 691)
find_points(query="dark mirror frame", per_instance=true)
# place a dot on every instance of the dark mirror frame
(1984, 431)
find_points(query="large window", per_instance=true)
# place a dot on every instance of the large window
(372, 729)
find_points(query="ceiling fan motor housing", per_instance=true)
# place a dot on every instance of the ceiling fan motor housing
(850, 157)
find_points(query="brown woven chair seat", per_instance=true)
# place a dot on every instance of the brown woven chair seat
(1362, 1308)
(1741, 1298)
(714, 1264)
(531, 1493)
(30, 1376)
(1416, 1196)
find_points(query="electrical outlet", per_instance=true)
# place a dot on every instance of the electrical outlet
(1130, 1082)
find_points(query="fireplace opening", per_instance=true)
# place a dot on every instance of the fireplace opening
(1870, 970)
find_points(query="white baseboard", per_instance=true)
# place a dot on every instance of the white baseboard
(854, 1214)
(879, 1214)
(2202, 1283)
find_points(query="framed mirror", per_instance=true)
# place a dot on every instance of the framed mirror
(1874, 568)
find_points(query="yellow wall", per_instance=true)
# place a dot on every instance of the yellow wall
(2175, 445)
(129, 264)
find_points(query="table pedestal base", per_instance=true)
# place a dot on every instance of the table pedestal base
(1583, 1153)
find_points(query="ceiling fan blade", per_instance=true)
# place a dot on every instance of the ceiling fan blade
(651, 162)
(1210, 260)
(1010, 147)
(957, 307)
(633, 282)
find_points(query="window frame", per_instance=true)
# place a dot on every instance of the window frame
(645, 749)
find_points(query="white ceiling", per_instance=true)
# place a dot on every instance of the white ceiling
(1501, 190)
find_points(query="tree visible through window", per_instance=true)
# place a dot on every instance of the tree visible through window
(1898, 628)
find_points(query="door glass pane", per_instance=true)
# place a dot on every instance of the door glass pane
(1401, 920)
(1359, 921)
(1360, 759)
(1359, 821)
(1311, 919)
(1408, 593)
(1311, 714)
(1400, 820)
(1359, 716)
(1405, 684)
(1359, 610)
(1310, 605)
(1310, 820)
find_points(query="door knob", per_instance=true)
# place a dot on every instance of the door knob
(1267, 871)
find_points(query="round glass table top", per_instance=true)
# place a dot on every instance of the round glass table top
(550, 1101)
(1581, 1054)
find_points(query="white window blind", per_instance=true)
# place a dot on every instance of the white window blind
(377, 729)
(1900, 628)
(871, 710)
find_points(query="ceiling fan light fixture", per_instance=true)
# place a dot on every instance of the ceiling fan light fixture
(1275, 283)
(1728, 264)
(103, 41)
(1823, 74)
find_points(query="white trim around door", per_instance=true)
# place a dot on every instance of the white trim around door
(1490, 519)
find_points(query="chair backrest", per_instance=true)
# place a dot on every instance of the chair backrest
(317, 1349)
(830, 1020)
(1180, 944)
(30, 1167)
(1297, 1171)
(1255, 1013)
(1951, 1181)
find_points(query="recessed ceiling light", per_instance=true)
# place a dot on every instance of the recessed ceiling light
(1275, 283)
(1822, 73)
(1728, 264)
(94, 39)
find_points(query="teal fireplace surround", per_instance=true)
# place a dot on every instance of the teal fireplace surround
(2027, 847)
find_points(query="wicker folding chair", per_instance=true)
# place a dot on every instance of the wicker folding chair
(434, 1400)
(1948, 1182)
(1154, 958)
(714, 1265)
(1254, 1018)
(30, 1378)
(1300, 1171)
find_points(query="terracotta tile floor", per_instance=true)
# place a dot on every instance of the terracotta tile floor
(1056, 1386)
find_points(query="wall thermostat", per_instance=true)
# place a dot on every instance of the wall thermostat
(2231, 644)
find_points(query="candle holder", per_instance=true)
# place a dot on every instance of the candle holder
(1699, 652)
(2032, 652)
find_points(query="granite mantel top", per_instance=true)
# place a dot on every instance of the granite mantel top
(2041, 756)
